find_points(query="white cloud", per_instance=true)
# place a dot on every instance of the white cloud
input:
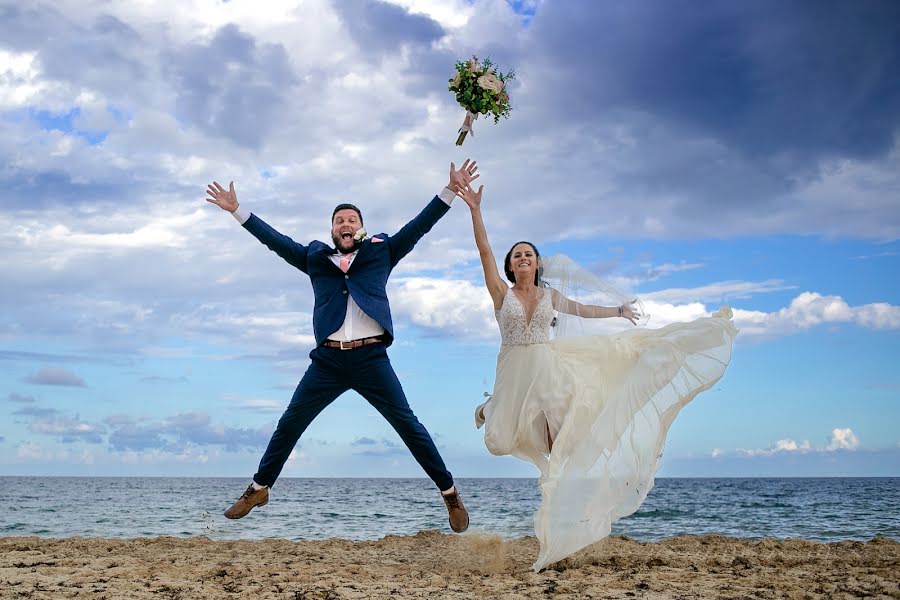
(262, 405)
(655, 272)
(69, 429)
(449, 13)
(19, 79)
(35, 452)
(259, 327)
(875, 255)
(457, 307)
(841, 439)
(62, 241)
(191, 455)
(779, 447)
(810, 309)
(30, 451)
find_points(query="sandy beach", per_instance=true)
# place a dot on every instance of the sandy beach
(433, 564)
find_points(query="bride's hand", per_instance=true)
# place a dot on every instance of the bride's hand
(626, 311)
(471, 197)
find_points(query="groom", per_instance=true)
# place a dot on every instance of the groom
(353, 328)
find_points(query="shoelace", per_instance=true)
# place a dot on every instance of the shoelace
(452, 500)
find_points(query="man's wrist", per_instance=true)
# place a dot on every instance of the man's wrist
(241, 214)
(447, 195)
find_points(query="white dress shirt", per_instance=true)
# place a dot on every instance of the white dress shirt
(357, 324)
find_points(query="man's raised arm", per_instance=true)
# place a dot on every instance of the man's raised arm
(403, 241)
(282, 245)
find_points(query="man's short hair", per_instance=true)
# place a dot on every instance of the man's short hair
(346, 206)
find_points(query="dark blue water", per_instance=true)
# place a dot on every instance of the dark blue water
(303, 509)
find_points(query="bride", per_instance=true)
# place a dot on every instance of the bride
(591, 412)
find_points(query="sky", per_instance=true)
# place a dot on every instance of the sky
(700, 154)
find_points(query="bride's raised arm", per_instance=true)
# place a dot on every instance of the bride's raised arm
(495, 284)
(589, 311)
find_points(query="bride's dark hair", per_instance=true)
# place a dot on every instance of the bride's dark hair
(507, 264)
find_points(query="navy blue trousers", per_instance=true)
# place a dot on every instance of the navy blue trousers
(366, 370)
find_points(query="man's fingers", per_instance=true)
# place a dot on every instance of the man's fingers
(471, 179)
(231, 187)
(480, 187)
(219, 187)
(452, 168)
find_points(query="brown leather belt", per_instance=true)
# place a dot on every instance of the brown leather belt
(377, 339)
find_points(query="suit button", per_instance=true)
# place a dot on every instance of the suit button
(346, 277)
(345, 291)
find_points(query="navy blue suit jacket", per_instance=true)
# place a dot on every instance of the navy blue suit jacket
(366, 280)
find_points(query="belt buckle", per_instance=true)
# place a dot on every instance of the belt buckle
(349, 345)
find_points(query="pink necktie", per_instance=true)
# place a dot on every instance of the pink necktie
(345, 262)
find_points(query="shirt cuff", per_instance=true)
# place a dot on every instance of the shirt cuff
(241, 215)
(447, 196)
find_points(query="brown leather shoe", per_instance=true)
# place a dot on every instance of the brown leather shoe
(247, 502)
(459, 517)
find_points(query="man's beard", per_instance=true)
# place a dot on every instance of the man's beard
(337, 244)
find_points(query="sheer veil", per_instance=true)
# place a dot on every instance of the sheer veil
(576, 283)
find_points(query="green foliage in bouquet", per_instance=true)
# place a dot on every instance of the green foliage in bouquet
(481, 89)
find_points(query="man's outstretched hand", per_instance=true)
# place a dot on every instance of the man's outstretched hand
(224, 199)
(460, 179)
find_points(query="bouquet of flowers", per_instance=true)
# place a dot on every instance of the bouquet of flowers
(480, 89)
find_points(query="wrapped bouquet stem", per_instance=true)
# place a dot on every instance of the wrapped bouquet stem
(468, 126)
(480, 89)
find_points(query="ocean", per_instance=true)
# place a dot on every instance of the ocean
(819, 509)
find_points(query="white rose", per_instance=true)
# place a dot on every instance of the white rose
(456, 79)
(489, 81)
(360, 234)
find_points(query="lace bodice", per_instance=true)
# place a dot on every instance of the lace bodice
(514, 331)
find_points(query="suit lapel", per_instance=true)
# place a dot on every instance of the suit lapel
(359, 252)
(323, 255)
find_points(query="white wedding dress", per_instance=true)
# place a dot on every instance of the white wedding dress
(608, 401)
